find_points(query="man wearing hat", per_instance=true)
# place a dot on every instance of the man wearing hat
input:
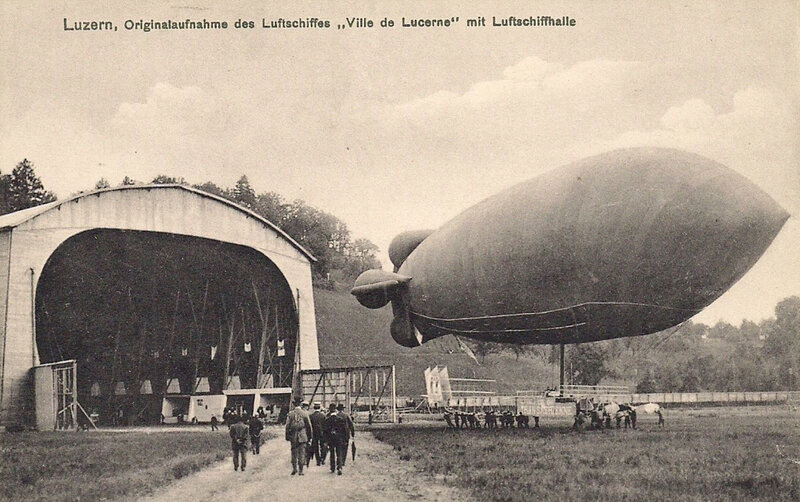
(299, 432)
(328, 432)
(240, 433)
(350, 430)
(340, 430)
(317, 441)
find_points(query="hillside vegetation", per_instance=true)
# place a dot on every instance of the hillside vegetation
(351, 335)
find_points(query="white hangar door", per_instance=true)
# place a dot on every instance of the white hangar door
(56, 393)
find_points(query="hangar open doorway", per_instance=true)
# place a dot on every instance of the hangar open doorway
(148, 315)
(179, 213)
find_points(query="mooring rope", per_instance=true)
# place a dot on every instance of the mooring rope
(545, 312)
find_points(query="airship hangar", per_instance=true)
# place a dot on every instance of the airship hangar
(122, 296)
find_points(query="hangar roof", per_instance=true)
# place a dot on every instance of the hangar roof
(11, 220)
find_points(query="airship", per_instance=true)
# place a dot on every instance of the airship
(625, 243)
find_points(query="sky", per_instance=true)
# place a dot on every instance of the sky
(394, 129)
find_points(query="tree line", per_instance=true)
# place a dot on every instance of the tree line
(722, 357)
(692, 357)
(340, 256)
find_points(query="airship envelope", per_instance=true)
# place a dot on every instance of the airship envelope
(625, 243)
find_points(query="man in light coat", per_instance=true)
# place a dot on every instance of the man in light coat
(299, 432)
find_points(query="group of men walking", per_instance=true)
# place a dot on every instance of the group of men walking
(245, 433)
(314, 435)
(319, 435)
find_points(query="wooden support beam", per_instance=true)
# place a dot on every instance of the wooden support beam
(195, 339)
(263, 350)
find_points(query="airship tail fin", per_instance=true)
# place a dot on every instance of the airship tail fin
(405, 244)
(375, 288)
(402, 329)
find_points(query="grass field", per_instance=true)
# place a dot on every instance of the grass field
(720, 454)
(102, 465)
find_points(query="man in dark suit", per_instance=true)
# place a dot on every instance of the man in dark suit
(346, 431)
(318, 440)
(240, 434)
(338, 430)
(328, 432)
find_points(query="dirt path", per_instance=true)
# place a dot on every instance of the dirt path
(376, 475)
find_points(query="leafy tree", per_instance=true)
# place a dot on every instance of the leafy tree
(693, 373)
(272, 207)
(588, 363)
(749, 332)
(725, 331)
(163, 179)
(483, 349)
(102, 183)
(319, 232)
(243, 193)
(646, 385)
(5, 201)
(127, 181)
(211, 188)
(23, 189)
(782, 341)
(361, 256)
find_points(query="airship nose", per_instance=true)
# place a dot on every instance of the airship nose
(694, 244)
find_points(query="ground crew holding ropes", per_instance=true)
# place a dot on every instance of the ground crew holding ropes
(448, 417)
